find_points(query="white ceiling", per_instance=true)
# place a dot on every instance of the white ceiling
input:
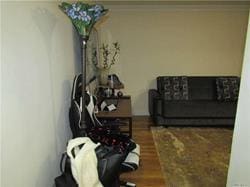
(135, 4)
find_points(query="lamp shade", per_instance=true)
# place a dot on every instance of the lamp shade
(83, 16)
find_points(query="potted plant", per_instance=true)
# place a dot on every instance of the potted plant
(108, 57)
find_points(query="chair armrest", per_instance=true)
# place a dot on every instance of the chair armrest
(152, 95)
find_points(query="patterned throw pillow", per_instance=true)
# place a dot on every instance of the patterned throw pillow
(174, 88)
(227, 88)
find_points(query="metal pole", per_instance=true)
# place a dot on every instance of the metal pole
(83, 58)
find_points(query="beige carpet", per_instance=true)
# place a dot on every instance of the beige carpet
(193, 157)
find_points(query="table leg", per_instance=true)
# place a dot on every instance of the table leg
(130, 127)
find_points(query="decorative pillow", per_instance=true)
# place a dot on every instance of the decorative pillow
(174, 88)
(227, 88)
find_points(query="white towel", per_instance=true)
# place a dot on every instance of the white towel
(84, 163)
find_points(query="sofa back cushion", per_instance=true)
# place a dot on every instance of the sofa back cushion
(173, 87)
(202, 88)
(224, 88)
(227, 88)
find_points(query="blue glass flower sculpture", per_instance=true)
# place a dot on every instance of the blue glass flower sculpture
(83, 16)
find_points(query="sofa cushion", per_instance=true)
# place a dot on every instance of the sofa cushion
(198, 109)
(202, 88)
(227, 88)
(173, 88)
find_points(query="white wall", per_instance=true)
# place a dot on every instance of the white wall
(39, 57)
(173, 41)
(239, 168)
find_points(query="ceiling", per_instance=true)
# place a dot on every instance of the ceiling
(177, 2)
(152, 3)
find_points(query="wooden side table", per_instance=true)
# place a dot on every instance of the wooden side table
(123, 113)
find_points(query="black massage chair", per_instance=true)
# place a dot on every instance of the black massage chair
(113, 142)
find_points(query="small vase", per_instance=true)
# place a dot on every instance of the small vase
(103, 76)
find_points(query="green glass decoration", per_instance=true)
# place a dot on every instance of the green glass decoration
(83, 16)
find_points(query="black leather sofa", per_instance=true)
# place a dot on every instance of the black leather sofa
(194, 101)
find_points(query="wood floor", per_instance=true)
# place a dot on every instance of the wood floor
(149, 173)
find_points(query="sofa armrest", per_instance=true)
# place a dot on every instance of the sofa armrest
(152, 95)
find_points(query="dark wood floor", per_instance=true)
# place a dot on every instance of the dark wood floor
(149, 173)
